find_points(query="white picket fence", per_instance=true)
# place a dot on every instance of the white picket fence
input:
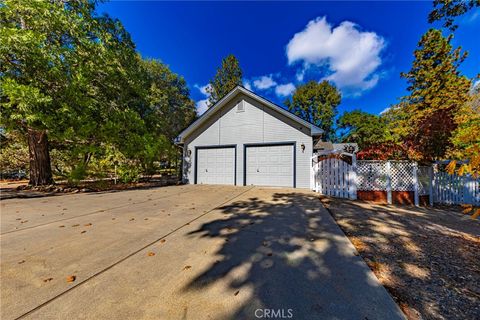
(455, 189)
(335, 177)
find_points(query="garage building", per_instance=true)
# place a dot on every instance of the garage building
(245, 139)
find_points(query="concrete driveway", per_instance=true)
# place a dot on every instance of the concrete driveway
(183, 252)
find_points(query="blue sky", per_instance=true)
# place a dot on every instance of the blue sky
(360, 46)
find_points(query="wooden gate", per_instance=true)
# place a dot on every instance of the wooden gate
(334, 177)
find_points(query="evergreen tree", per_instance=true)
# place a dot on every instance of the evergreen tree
(228, 76)
(65, 76)
(447, 10)
(437, 92)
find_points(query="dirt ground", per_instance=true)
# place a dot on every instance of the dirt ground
(20, 189)
(427, 258)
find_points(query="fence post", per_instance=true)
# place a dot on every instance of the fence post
(389, 182)
(415, 184)
(430, 185)
(312, 174)
(353, 178)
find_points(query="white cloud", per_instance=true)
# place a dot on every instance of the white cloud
(203, 89)
(264, 82)
(351, 56)
(300, 75)
(201, 106)
(385, 110)
(284, 90)
(247, 85)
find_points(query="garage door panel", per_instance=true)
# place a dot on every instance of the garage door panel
(270, 165)
(216, 166)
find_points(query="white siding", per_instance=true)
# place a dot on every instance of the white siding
(257, 124)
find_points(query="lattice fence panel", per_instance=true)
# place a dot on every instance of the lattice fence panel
(402, 176)
(371, 175)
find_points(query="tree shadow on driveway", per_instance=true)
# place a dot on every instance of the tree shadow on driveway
(286, 253)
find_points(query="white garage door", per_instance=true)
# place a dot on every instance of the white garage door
(216, 166)
(270, 166)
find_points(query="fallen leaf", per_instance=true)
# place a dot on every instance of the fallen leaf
(132, 219)
(83, 231)
(64, 209)
(18, 219)
(476, 214)
(145, 219)
(71, 278)
(467, 209)
(24, 221)
(151, 254)
(162, 241)
(75, 225)
(21, 261)
(113, 218)
(62, 226)
(87, 225)
(47, 280)
(186, 267)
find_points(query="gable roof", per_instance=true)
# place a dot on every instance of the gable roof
(315, 131)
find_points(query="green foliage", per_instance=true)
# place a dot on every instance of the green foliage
(77, 174)
(169, 107)
(363, 128)
(316, 103)
(437, 91)
(75, 75)
(13, 152)
(466, 138)
(228, 76)
(129, 172)
(447, 10)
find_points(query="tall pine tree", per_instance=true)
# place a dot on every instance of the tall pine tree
(437, 92)
(228, 76)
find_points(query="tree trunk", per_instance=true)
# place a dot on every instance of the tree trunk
(40, 169)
